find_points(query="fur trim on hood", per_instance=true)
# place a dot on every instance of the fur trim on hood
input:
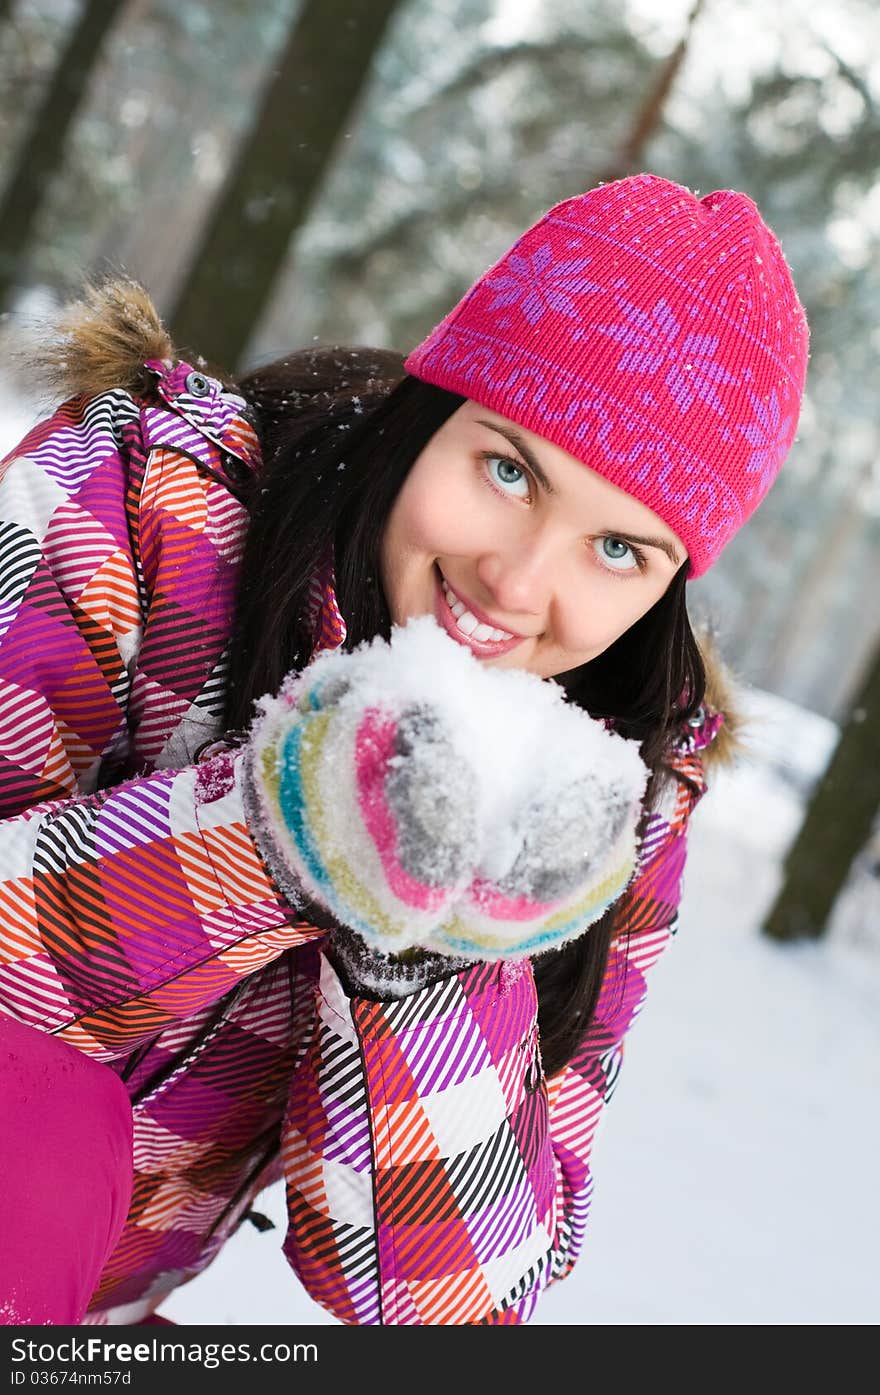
(100, 341)
(721, 686)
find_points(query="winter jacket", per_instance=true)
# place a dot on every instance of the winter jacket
(434, 1174)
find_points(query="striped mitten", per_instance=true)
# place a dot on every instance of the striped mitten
(575, 852)
(428, 801)
(360, 799)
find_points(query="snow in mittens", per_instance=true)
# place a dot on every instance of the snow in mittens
(427, 799)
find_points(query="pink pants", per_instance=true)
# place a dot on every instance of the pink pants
(65, 1175)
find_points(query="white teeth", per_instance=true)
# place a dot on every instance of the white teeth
(468, 623)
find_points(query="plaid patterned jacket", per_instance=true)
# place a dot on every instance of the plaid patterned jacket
(433, 1174)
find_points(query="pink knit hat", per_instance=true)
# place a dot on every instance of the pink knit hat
(653, 335)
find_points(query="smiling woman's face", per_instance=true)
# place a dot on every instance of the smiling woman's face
(523, 554)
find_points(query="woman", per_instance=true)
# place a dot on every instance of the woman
(422, 1052)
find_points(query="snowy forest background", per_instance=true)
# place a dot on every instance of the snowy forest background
(283, 171)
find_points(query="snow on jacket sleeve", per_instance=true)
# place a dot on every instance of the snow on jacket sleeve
(123, 905)
(434, 1175)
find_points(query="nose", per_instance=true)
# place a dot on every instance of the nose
(521, 577)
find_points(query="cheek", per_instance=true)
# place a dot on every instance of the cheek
(431, 515)
(421, 527)
(603, 611)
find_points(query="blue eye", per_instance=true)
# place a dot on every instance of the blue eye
(508, 476)
(616, 554)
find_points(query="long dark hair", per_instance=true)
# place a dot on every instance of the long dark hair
(340, 429)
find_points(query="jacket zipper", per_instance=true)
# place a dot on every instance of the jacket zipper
(373, 1172)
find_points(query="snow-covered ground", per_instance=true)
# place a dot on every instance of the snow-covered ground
(735, 1170)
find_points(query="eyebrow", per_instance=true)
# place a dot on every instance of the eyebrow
(537, 470)
(660, 543)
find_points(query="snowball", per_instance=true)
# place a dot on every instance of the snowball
(529, 748)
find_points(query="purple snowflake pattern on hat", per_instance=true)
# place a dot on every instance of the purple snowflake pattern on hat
(654, 340)
(770, 434)
(540, 285)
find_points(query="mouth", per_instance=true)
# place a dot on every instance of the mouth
(470, 627)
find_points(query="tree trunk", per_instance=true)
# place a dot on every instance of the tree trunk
(276, 173)
(629, 157)
(837, 824)
(43, 151)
